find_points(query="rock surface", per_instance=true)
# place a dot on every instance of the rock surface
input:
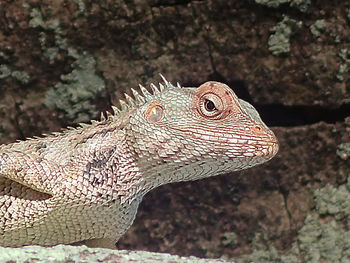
(61, 62)
(71, 254)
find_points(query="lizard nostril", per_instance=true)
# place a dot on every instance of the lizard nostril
(257, 129)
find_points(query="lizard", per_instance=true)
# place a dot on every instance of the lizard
(84, 184)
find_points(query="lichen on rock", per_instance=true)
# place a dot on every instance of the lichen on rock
(77, 91)
(318, 28)
(279, 41)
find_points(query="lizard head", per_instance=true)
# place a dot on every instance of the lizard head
(190, 133)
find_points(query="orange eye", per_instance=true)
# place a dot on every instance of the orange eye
(215, 101)
(211, 105)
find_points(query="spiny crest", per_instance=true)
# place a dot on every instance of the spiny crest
(130, 102)
(139, 99)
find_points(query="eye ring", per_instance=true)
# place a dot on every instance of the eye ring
(211, 105)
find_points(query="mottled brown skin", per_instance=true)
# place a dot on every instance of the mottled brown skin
(87, 183)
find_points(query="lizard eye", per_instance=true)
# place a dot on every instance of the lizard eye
(211, 105)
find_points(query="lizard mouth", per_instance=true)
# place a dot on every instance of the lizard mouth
(265, 151)
(275, 148)
(268, 149)
(271, 150)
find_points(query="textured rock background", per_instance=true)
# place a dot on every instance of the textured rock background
(61, 62)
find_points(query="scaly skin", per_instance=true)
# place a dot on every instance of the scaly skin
(85, 184)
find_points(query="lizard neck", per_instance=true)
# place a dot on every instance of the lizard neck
(170, 162)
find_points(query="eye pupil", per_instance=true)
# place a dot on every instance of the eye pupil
(209, 105)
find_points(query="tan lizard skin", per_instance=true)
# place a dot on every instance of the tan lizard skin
(86, 183)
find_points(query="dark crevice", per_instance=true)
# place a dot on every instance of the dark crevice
(167, 3)
(281, 115)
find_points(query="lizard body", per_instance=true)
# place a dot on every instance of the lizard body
(86, 183)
